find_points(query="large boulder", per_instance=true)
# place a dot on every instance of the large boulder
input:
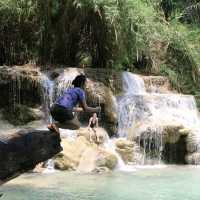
(23, 150)
(84, 156)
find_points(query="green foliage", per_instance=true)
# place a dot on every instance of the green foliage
(17, 31)
(121, 34)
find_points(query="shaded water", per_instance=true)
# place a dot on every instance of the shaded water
(170, 183)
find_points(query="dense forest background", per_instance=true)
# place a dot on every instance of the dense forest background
(160, 37)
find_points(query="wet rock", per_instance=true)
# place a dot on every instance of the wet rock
(125, 149)
(63, 162)
(175, 153)
(169, 132)
(193, 159)
(106, 159)
(99, 170)
(162, 140)
(23, 150)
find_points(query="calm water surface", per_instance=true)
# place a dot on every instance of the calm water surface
(169, 183)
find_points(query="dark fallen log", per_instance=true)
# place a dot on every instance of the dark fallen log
(23, 150)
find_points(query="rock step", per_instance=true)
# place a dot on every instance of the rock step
(23, 150)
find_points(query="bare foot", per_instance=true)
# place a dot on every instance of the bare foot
(54, 128)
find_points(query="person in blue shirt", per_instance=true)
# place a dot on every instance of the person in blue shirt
(62, 110)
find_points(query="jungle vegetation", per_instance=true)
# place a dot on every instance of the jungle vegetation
(160, 37)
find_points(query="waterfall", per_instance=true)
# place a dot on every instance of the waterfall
(143, 115)
(132, 85)
(48, 87)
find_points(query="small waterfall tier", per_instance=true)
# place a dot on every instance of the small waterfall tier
(157, 122)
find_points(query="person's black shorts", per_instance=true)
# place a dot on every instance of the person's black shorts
(60, 113)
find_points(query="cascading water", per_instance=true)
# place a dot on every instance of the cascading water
(132, 85)
(145, 114)
(47, 94)
(139, 112)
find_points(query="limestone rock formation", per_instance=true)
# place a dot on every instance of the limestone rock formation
(100, 94)
(23, 150)
(99, 137)
(84, 156)
(101, 87)
(125, 148)
(20, 84)
(167, 139)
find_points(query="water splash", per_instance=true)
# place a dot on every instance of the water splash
(49, 167)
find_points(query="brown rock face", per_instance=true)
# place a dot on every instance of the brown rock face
(157, 84)
(100, 94)
(23, 150)
(20, 84)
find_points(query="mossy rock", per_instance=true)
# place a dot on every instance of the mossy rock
(20, 115)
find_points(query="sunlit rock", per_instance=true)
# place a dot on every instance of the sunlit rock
(63, 162)
(84, 156)
(98, 137)
(106, 159)
(125, 149)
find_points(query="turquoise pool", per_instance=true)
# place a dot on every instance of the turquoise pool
(168, 183)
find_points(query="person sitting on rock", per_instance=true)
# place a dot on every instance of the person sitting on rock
(62, 110)
(93, 123)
